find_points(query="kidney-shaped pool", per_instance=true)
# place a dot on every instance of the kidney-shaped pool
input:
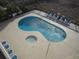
(51, 32)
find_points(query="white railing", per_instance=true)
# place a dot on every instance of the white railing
(4, 52)
(7, 50)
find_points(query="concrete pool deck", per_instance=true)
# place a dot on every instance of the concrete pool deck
(67, 49)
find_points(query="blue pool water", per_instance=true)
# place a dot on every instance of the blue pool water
(49, 31)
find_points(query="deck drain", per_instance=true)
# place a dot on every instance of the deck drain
(31, 40)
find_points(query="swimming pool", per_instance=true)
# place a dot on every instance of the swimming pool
(51, 32)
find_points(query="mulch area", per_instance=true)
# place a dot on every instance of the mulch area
(72, 13)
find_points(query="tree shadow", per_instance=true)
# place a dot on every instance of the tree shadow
(5, 23)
